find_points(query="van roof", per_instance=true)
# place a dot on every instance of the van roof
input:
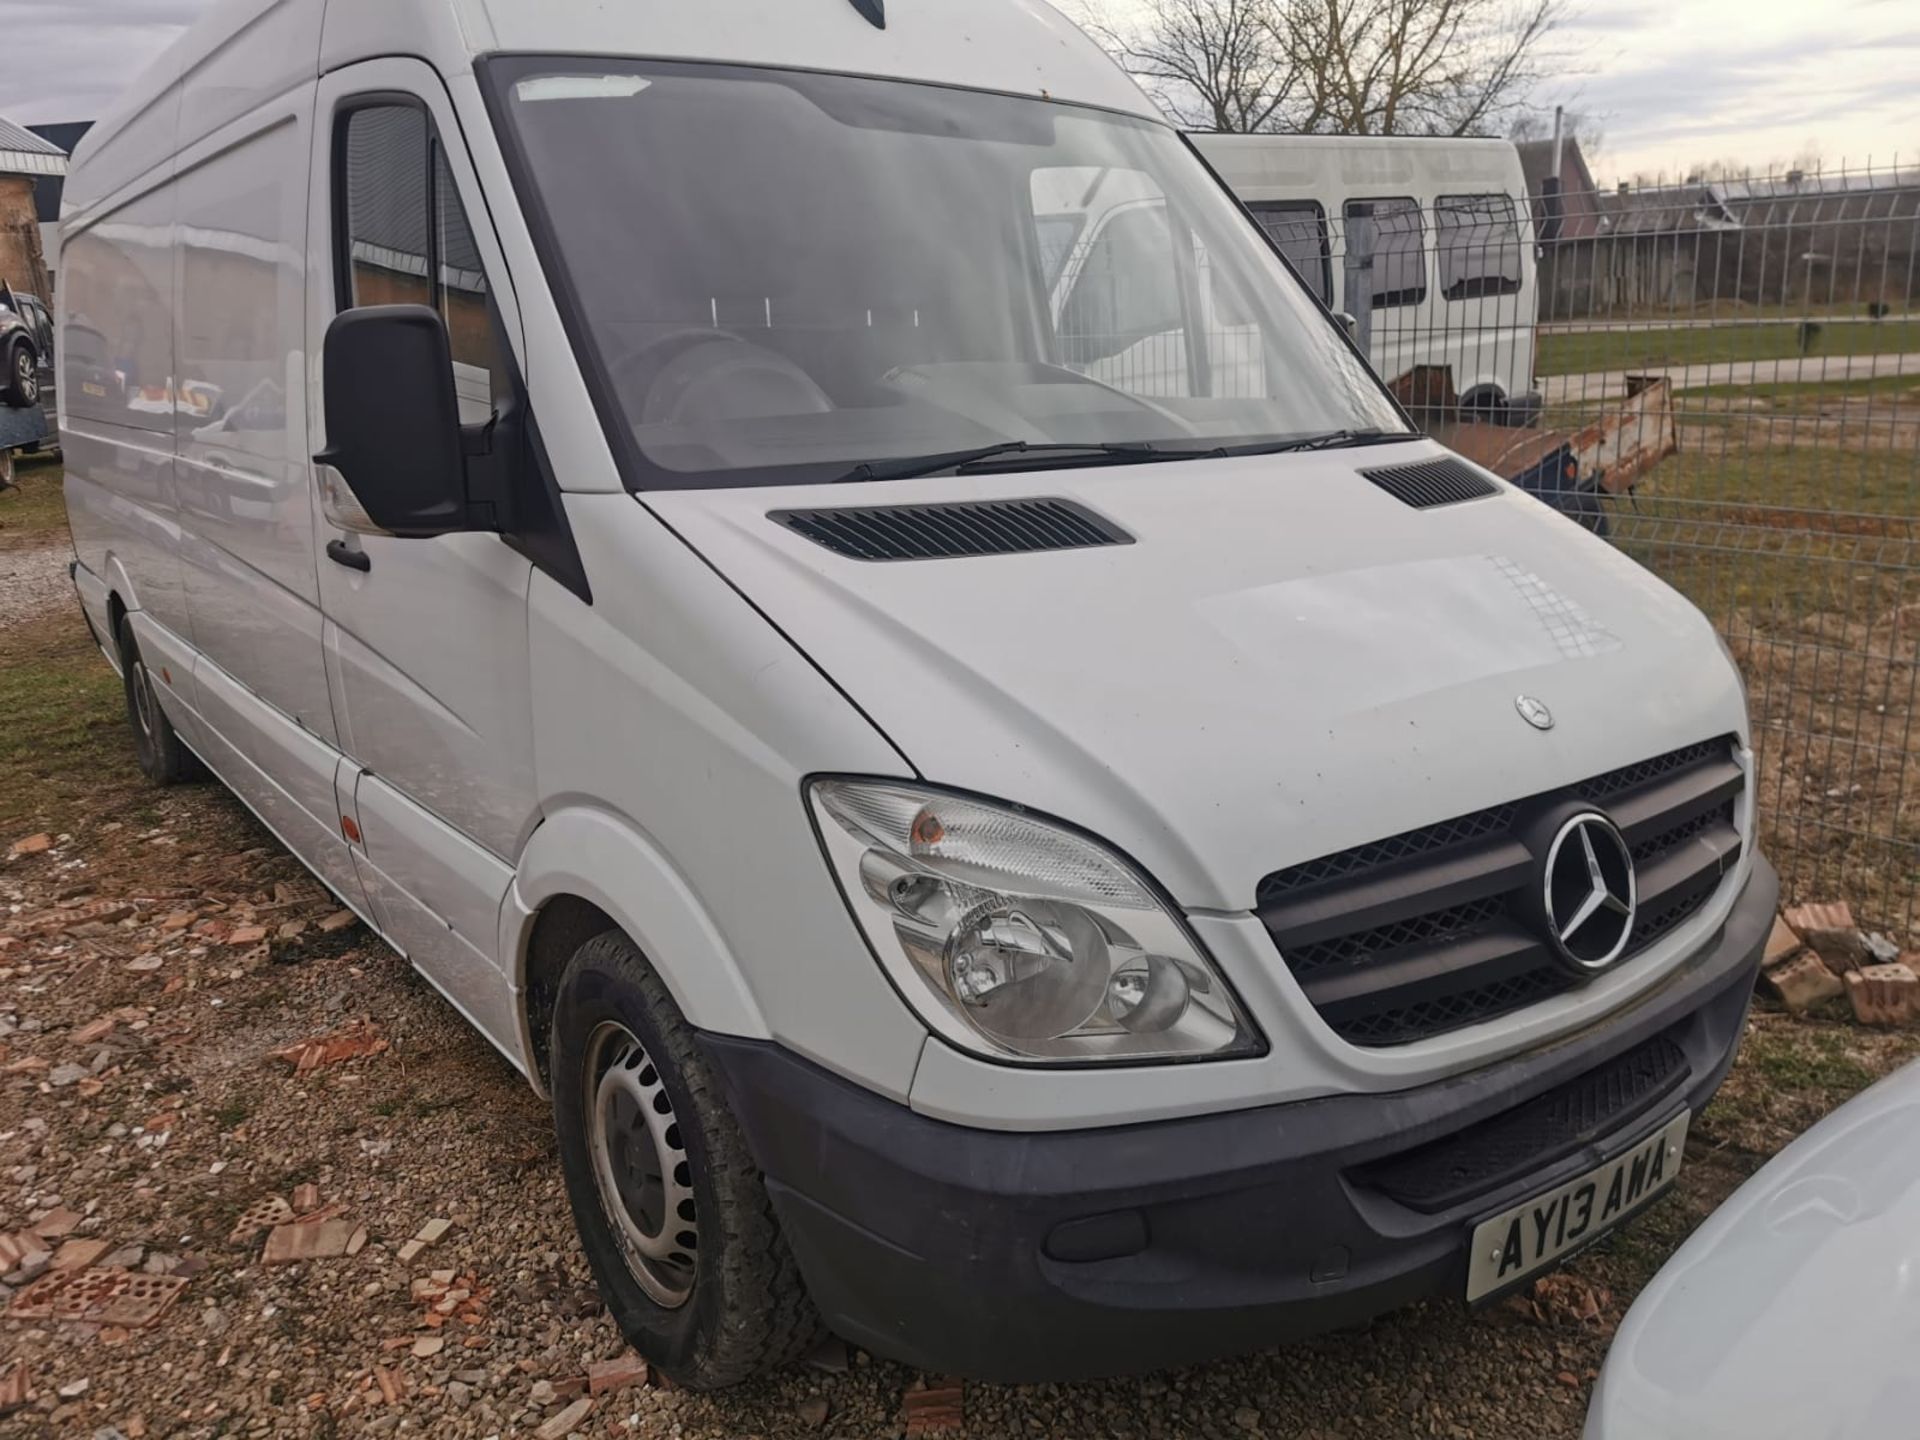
(242, 52)
(1269, 167)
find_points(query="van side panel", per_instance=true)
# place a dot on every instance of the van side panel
(116, 358)
(242, 468)
(672, 711)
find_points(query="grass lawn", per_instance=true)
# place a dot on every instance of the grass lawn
(1604, 350)
(1804, 394)
(34, 511)
(1794, 530)
(65, 740)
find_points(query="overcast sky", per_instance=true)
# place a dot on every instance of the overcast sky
(1671, 82)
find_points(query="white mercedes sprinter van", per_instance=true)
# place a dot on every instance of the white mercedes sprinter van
(1042, 830)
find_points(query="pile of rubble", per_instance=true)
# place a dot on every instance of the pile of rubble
(1817, 954)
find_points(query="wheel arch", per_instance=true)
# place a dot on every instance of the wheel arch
(586, 871)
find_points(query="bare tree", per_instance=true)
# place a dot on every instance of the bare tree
(1353, 67)
(1415, 67)
(1212, 64)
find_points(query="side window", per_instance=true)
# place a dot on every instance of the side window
(1399, 251)
(383, 182)
(1299, 228)
(1479, 241)
(406, 239)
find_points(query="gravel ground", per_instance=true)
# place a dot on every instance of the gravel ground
(162, 947)
(32, 582)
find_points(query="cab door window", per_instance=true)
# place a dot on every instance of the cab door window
(406, 240)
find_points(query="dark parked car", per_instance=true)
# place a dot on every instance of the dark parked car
(26, 347)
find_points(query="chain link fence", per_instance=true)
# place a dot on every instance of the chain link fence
(1723, 378)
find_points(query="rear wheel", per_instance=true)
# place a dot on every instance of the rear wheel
(23, 378)
(163, 758)
(672, 1212)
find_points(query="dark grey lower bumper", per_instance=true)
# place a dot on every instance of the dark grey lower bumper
(1027, 1257)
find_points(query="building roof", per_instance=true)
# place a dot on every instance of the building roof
(47, 192)
(24, 153)
(1579, 208)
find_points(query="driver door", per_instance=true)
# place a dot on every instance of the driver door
(425, 640)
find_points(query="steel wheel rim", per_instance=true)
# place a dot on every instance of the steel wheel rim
(143, 700)
(640, 1165)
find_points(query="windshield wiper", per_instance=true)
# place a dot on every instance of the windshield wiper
(1332, 440)
(914, 466)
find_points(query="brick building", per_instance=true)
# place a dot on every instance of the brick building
(24, 159)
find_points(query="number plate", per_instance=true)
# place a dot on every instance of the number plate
(1532, 1235)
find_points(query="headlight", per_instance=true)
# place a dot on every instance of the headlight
(1017, 939)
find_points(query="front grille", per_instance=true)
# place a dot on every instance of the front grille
(1430, 930)
(1482, 1158)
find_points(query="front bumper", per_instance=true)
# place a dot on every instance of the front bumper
(1056, 1256)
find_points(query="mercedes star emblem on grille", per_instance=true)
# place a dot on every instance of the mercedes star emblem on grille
(1534, 712)
(1590, 893)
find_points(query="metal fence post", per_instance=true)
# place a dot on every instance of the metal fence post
(1358, 292)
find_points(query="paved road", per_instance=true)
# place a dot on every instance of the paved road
(1609, 384)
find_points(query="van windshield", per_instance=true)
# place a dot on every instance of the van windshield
(779, 277)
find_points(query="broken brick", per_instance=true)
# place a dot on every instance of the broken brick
(56, 1223)
(616, 1374)
(1804, 982)
(352, 1041)
(32, 844)
(247, 935)
(568, 1420)
(79, 1254)
(321, 1240)
(1782, 945)
(15, 1389)
(1885, 995)
(306, 1199)
(339, 920)
(93, 1031)
(935, 1409)
(1829, 930)
(263, 1214)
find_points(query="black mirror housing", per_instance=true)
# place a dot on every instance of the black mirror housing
(393, 419)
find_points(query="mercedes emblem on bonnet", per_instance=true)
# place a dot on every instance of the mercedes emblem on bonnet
(1534, 712)
(1590, 892)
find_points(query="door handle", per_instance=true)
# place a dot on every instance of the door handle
(342, 553)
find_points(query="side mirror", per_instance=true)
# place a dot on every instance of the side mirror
(393, 424)
(1344, 319)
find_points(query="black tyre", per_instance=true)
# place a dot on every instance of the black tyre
(164, 759)
(671, 1209)
(22, 377)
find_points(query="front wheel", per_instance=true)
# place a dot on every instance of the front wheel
(23, 378)
(672, 1212)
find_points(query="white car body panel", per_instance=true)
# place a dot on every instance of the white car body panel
(1171, 676)
(1820, 1245)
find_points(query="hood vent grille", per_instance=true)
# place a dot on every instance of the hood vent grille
(944, 532)
(1432, 483)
